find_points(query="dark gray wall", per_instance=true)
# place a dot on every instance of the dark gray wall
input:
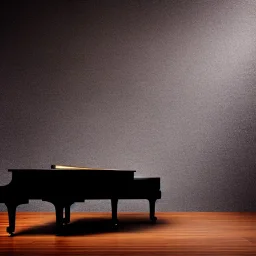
(163, 87)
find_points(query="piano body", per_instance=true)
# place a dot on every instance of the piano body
(64, 185)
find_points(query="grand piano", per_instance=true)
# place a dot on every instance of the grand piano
(64, 185)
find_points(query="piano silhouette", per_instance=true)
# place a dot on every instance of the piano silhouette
(64, 185)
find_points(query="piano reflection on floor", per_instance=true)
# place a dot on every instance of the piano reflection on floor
(64, 185)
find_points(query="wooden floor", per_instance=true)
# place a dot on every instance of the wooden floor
(173, 234)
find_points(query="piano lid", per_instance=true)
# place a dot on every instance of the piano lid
(79, 168)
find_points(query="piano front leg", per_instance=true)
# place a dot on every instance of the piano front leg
(114, 202)
(11, 208)
(67, 213)
(59, 217)
(59, 205)
(152, 203)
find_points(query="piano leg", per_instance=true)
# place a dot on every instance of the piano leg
(59, 207)
(152, 203)
(59, 217)
(67, 214)
(114, 203)
(11, 207)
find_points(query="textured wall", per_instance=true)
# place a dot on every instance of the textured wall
(163, 87)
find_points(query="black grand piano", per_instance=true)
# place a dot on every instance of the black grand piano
(64, 185)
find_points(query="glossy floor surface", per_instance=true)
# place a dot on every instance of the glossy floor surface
(92, 234)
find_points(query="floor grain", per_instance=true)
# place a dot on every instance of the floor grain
(92, 234)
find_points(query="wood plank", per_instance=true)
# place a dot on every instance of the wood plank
(173, 234)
